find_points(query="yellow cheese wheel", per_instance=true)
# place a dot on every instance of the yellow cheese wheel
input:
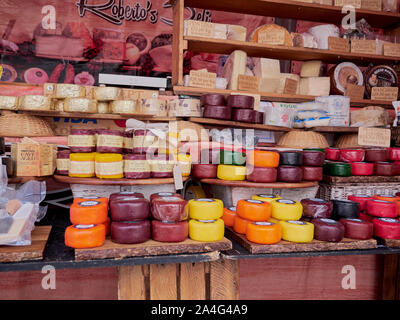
(81, 165)
(231, 172)
(297, 231)
(283, 209)
(266, 197)
(205, 209)
(206, 230)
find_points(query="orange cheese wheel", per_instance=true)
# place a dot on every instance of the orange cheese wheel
(88, 212)
(240, 225)
(261, 158)
(264, 232)
(228, 216)
(253, 210)
(85, 236)
(100, 199)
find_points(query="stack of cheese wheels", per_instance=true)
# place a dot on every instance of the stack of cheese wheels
(262, 166)
(205, 222)
(90, 223)
(290, 169)
(170, 212)
(252, 220)
(130, 214)
(214, 106)
(232, 165)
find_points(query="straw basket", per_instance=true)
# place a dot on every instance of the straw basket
(348, 141)
(24, 125)
(303, 139)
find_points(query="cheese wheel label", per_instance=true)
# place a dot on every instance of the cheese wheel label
(254, 201)
(356, 220)
(130, 198)
(389, 220)
(109, 168)
(81, 167)
(105, 140)
(286, 201)
(296, 222)
(207, 221)
(165, 194)
(204, 200)
(62, 164)
(316, 200)
(263, 223)
(272, 196)
(232, 208)
(127, 192)
(171, 199)
(84, 226)
(381, 201)
(329, 221)
(92, 197)
(136, 166)
(76, 140)
(89, 203)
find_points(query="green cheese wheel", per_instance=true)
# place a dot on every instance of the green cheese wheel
(339, 169)
(232, 157)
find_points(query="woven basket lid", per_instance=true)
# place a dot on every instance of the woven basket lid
(303, 139)
(24, 125)
(348, 141)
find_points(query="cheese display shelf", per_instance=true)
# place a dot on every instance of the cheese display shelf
(197, 44)
(295, 10)
(248, 184)
(115, 182)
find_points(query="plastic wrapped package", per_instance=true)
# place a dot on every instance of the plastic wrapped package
(17, 225)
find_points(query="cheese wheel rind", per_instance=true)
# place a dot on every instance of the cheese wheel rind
(206, 231)
(283, 209)
(205, 209)
(297, 231)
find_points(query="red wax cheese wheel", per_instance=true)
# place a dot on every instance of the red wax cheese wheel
(312, 173)
(362, 200)
(85, 236)
(135, 174)
(259, 117)
(130, 232)
(218, 112)
(366, 217)
(88, 212)
(397, 164)
(240, 225)
(204, 171)
(169, 209)
(386, 228)
(212, 100)
(290, 174)
(124, 194)
(380, 208)
(394, 154)
(244, 115)
(385, 169)
(328, 230)
(129, 209)
(332, 154)
(239, 101)
(253, 210)
(316, 208)
(357, 229)
(169, 231)
(313, 158)
(229, 216)
(352, 155)
(261, 174)
(163, 195)
(376, 155)
(362, 169)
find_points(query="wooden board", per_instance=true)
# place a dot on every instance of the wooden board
(249, 184)
(286, 246)
(114, 182)
(33, 252)
(390, 243)
(149, 248)
(191, 91)
(360, 179)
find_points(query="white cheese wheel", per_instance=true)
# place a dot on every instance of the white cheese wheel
(34, 102)
(80, 105)
(8, 102)
(123, 106)
(106, 93)
(69, 91)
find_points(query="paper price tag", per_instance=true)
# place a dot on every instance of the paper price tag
(197, 28)
(375, 5)
(391, 49)
(248, 83)
(178, 177)
(354, 91)
(272, 37)
(290, 86)
(376, 137)
(338, 44)
(385, 93)
(363, 46)
(355, 3)
(202, 79)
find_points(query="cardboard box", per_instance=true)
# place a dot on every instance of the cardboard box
(33, 159)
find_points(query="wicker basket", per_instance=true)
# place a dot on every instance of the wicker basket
(24, 125)
(303, 139)
(348, 141)
(342, 191)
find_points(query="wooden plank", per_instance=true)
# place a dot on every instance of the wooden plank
(114, 182)
(192, 281)
(177, 43)
(390, 243)
(248, 184)
(224, 280)
(163, 282)
(296, 10)
(389, 276)
(198, 44)
(39, 238)
(131, 283)
(286, 246)
(150, 248)
(360, 179)
(277, 96)
(335, 129)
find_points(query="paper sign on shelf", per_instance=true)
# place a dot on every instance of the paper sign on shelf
(375, 137)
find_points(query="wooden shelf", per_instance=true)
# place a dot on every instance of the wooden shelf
(295, 10)
(114, 182)
(248, 184)
(192, 91)
(335, 129)
(18, 180)
(228, 123)
(197, 44)
(96, 115)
